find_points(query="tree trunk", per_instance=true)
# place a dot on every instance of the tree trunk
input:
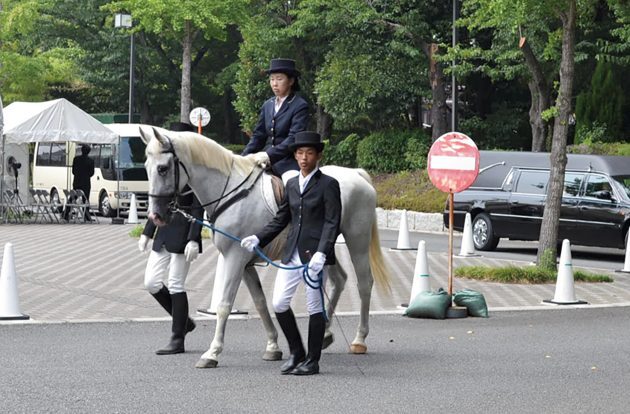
(539, 91)
(324, 122)
(185, 92)
(439, 116)
(546, 256)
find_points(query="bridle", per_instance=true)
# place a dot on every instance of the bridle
(174, 196)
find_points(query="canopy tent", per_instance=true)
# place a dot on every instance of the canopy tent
(52, 121)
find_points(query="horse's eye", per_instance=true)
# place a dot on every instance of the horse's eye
(162, 170)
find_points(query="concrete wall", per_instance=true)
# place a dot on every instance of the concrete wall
(390, 219)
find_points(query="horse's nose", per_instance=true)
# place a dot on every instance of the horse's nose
(157, 219)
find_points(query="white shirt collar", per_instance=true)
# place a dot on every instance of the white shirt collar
(303, 181)
(278, 103)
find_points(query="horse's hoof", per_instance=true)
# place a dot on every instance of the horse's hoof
(206, 363)
(358, 349)
(328, 340)
(272, 356)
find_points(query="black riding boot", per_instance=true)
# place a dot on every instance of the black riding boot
(180, 317)
(316, 328)
(289, 327)
(163, 297)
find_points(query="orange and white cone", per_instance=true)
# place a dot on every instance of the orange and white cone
(421, 278)
(565, 290)
(9, 299)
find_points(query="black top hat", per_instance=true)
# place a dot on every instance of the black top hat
(286, 66)
(307, 139)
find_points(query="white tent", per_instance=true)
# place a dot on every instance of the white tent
(51, 121)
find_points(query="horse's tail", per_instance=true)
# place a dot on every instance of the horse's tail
(377, 262)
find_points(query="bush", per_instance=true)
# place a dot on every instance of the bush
(391, 151)
(409, 190)
(343, 154)
(235, 148)
(600, 148)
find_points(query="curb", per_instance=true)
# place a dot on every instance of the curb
(430, 222)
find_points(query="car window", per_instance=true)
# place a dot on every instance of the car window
(624, 180)
(597, 185)
(572, 184)
(532, 182)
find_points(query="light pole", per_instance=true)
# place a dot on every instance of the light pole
(453, 78)
(124, 20)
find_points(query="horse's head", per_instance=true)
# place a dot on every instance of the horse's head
(167, 175)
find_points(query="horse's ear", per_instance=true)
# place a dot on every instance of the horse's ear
(144, 136)
(162, 139)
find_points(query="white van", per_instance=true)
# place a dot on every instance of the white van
(52, 170)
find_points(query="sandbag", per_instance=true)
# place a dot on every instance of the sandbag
(431, 304)
(473, 301)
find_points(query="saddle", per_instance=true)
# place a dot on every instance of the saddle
(278, 189)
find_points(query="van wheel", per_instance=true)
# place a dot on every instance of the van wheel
(54, 199)
(483, 235)
(104, 207)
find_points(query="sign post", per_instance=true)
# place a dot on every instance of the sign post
(200, 117)
(453, 165)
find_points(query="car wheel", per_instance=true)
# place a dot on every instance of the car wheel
(55, 200)
(483, 234)
(104, 207)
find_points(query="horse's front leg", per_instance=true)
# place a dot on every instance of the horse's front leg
(232, 275)
(252, 281)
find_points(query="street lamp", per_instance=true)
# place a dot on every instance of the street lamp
(453, 78)
(124, 20)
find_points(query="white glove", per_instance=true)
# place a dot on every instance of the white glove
(191, 251)
(316, 264)
(143, 243)
(250, 243)
(260, 158)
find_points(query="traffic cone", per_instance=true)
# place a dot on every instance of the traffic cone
(9, 299)
(468, 246)
(217, 290)
(626, 263)
(421, 281)
(565, 292)
(403, 233)
(133, 211)
(340, 239)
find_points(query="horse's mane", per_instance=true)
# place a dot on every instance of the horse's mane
(197, 149)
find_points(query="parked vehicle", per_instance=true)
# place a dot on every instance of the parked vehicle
(118, 173)
(507, 199)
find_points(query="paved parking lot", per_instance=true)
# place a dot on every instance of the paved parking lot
(79, 272)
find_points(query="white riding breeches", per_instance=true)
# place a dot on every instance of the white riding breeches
(166, 269)
(287, 282)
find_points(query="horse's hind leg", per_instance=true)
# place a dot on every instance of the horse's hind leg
(359, 253)
(252, 281)
(338, 277)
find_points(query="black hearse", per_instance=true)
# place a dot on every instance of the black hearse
(508, 198)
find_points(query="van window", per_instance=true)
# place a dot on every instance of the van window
(132, 152)
(532, 182)
(572, 184)
(57, 155)
(43, 154)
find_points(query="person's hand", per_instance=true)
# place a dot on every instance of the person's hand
(260, 158)
(316, 264)
(143, 242)
(250, 243)
(191, 251)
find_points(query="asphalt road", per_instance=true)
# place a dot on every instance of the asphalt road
(561, 361)
(584, 256)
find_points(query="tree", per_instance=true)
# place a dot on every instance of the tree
(187, 22)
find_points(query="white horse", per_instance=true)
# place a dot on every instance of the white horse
(233, 190)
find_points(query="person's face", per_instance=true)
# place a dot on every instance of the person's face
(280, 84)
(307, 158)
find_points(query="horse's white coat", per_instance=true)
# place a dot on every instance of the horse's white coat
(209, 169)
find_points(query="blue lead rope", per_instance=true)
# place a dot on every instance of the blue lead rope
(313, 283)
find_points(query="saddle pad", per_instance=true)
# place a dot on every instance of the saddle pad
(267, 193)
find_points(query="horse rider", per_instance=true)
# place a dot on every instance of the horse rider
(312, 205)
(281, 117)
(175, 246)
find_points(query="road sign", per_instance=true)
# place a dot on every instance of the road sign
(453, 162)
(199, 116)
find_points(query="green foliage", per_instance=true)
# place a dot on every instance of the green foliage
(393, 150)
(505, 128)
(344, 153)
(548, 260)
(600, 148)
(409, 190)
(600, 110)
(235, 148)
(532, 274)
(136, 231)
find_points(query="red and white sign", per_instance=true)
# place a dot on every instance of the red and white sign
(453, 162)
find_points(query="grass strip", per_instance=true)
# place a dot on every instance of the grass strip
(524, 275)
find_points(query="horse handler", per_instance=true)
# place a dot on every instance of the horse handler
(175, 246)
(312, 205)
